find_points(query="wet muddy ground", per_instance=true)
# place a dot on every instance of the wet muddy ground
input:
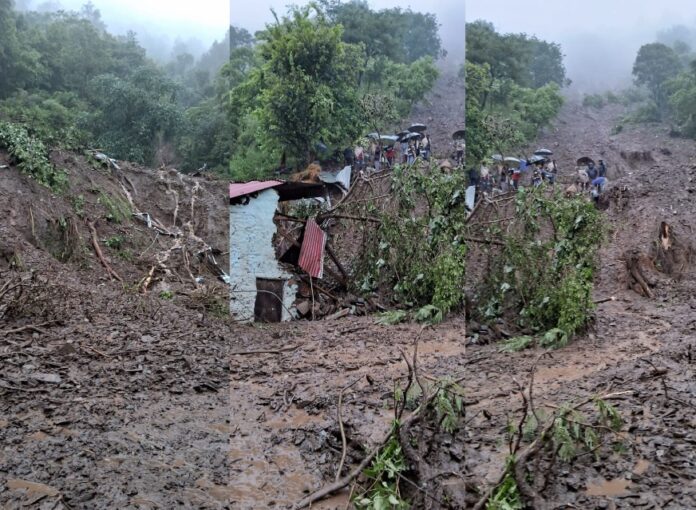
(119, 400)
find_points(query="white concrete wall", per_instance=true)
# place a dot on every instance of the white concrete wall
(252, 255)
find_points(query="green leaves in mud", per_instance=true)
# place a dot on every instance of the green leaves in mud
(383, 475)
(506, 496)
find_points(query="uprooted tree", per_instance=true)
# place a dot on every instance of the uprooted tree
(535, 253)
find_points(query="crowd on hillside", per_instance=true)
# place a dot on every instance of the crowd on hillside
(500, 175)
(386, 151)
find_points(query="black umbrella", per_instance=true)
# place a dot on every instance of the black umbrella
(414, 136)
(585, 160)
(543, 152)
(418, 128)
(459, 135)
(537, 159)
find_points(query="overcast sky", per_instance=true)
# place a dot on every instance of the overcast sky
(599, 37)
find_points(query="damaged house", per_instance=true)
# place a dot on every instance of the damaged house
(263, 282)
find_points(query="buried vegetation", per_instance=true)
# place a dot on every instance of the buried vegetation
(539, 250)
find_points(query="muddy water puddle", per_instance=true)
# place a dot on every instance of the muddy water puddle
(609, 488)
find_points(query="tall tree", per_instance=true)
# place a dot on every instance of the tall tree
(308, 92)
(655, 64)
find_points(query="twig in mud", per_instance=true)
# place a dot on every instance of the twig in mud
(605, 300)
(344, 443)
(87, 347)
(531, 384)
(521, 457)
(30, 327)
(343, 482)
(269, 351)
(400, 411)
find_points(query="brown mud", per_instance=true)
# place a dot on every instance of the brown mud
(123, 399)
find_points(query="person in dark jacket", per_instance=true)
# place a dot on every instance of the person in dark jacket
(602, 168)
(473, 176)
(592, 171)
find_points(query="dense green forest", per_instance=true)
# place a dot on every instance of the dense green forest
(320, 77)
(313, 82)
(513, 85)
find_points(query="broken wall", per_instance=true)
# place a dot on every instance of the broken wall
(252, 256)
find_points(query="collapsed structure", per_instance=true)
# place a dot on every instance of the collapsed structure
(264, 283)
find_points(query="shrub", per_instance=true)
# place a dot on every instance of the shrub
(545, 272)
(593, 101)
(31, 156)
(420, 258)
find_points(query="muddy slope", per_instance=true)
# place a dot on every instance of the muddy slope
(111, 396)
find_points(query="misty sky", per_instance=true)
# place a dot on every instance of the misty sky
(599, 37)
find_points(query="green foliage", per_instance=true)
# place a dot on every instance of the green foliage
(506, 496)
(554, 339)
(420, 259)
(308, 91)
(516, 344)
(529, 62)
(118, 209)
(593, 101)
(55, 118)
(31, 156)
(166, 294)
(612, 98)
(682, 101)
(115, 242)
(134, 115)
(392, 317)
(513, 89)
(449, 407)
(609, 415)
(544, 275)
(383, 476)
(428, 314)
(78, 204)
(400, 35)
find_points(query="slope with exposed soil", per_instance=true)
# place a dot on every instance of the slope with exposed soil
(112, 395)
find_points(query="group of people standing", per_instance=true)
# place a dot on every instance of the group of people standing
(593, 178)
(378, 154)
(504, 176)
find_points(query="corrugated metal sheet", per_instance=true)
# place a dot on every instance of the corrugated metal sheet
(342, 177)
(239, 189)
(312, 252)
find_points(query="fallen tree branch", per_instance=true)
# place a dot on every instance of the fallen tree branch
(97, 249)
(605, 300)
(484, 241)
(343, 482)
(344, 443)
(347, 217)
(29, 327)
(269, 351)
